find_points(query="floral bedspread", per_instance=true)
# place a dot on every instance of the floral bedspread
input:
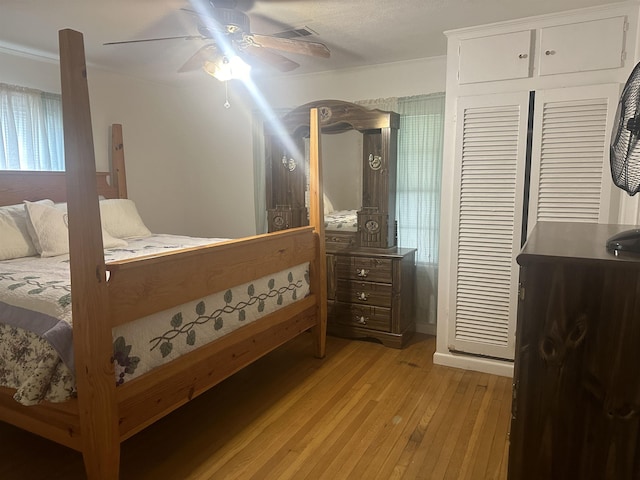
(345, 220)
(36, 355)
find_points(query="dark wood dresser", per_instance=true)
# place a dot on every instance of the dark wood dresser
(576, 395)
(371, 294)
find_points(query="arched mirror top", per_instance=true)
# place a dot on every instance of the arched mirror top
(337, 116)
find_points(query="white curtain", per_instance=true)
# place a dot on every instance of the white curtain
(31, 135)
(420, 141)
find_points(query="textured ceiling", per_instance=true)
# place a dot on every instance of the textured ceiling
(358, 32)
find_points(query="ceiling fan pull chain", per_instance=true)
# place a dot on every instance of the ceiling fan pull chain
(226, 95)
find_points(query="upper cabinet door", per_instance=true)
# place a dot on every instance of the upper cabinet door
(495, 57)
(582, 47)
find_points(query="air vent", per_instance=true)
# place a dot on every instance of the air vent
(296, 33)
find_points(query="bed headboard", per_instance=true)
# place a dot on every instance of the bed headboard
(19, 185)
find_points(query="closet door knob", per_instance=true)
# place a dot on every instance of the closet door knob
(523, 55)
(550, 52)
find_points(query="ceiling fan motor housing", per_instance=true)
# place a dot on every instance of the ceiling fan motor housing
(233, 20)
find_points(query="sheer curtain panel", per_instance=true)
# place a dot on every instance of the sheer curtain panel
(419, 176)
(31, 136)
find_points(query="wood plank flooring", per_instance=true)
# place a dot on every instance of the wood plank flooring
(364, 412)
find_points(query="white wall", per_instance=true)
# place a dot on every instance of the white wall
(398, 79)
(188, 158)
(142, 108)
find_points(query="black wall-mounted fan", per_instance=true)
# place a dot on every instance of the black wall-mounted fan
(624, 156)
(226, 27)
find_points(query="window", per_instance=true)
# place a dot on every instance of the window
(31, 135)
(420, 141)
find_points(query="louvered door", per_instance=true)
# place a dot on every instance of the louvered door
(490, 169)
(570, 177)
(570, 181)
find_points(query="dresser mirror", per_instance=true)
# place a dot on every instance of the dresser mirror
(342, 169)
(367, 185)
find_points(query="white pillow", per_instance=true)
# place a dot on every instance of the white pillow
(49, 230)
(121, 219)
(15, 239)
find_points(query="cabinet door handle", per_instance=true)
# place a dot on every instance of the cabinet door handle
(361, 272)
(550, 52)
(362, 320)
(523, 55)
(362, 296)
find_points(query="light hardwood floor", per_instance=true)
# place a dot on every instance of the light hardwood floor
(364, 412)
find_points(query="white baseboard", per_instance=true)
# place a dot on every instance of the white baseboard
(478, 364)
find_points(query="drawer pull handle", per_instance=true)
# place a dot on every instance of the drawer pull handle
(362, 296)
(550, 52)
(362, 273)
(523, 55)
(361, 320)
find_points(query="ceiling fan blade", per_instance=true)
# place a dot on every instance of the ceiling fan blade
(181, 37)
(197, 60)
(271, 58)
(315, 49)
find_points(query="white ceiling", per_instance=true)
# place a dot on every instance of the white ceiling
(358, 32)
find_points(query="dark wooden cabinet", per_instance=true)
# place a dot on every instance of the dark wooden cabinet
(371, 294)
(370, 281)
(576, 396)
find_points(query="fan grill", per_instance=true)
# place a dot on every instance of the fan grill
(624, 153)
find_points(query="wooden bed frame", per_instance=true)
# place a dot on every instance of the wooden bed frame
(102, 416)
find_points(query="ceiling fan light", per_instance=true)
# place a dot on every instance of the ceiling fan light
(227, 68)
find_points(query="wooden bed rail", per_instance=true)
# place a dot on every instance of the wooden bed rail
(118, 177)
(146, 285)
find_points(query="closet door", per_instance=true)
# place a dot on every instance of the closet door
(570, 175)
(490, 170)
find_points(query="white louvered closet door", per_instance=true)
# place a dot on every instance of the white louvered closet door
(490, 169)
(570, 176)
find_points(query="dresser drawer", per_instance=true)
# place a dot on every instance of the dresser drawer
(340, 240)
(374, 318)
(365, 268)
(365, 293)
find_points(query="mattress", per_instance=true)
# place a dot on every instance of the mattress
(36, 355)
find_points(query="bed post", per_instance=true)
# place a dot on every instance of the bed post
(316, 219)
(92, 340)
(118, 178)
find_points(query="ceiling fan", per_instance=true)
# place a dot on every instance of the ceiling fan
(227, 25)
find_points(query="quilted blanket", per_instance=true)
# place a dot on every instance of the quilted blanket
(36, 354)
